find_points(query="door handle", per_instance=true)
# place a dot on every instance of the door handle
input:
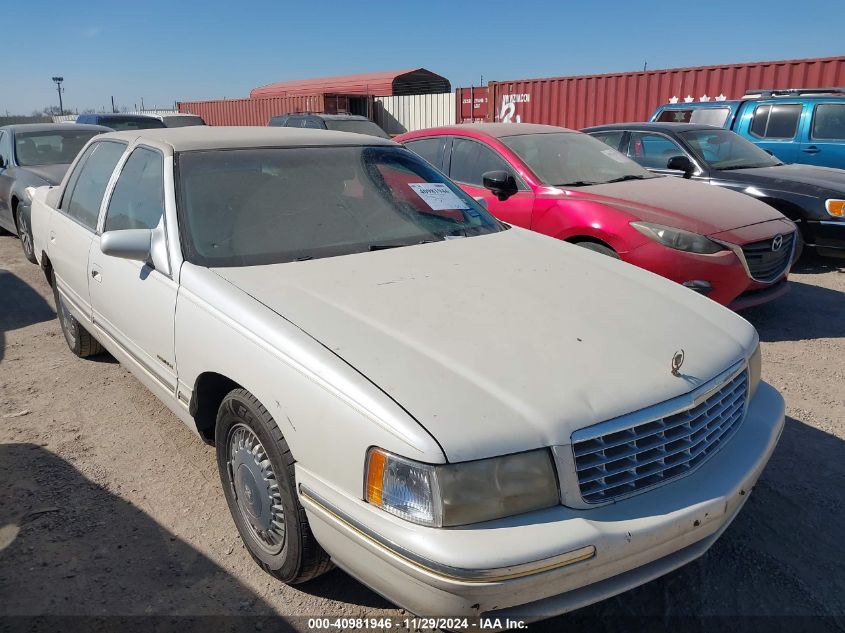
(96, 275)
(812, 149)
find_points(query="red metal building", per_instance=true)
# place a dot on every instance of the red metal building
(581, 101)
(417, 81)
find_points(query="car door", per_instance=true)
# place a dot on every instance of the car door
(653, 150)
(6, 220)
(774, 127)
(73, 226)
(133, 302)
(825, 144)
(469, 160)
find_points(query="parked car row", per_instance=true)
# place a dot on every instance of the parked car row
(471, 417)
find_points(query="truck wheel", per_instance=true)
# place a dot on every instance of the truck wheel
(599, 248)
(25, 235)
(79, 340)
(256, 469)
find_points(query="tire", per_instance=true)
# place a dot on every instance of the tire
(253, 458)
(25, 235)
(78, 339)
(599, 248)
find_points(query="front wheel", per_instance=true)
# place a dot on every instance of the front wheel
(79, 340)
(257, 471)
(599, 248)
(25, 236)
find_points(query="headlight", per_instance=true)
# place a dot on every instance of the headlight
(755, 366)
(836, 208)
(459, 494)
(678, 239)
(29, 192)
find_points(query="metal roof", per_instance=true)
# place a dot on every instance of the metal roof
(382, 84)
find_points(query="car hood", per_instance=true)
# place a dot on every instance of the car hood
(680, 203)
(802, 179)
(504, 342)
(50, 174)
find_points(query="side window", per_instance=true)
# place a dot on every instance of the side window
(652, 151)
(294, 121)
(431, 149)
(614, 139)
(675, 116)
(776, 121)
(138, 198)
(828, 121)
(83, 204)
(470, 159)
(314, 123)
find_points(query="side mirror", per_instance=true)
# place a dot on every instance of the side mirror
(132, 244)
(681, 163)
(501, 183)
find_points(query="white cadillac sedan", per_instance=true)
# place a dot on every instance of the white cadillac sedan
(470, 418)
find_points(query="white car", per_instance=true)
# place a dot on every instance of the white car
(472, 419)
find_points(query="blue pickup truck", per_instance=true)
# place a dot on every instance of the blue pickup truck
(796, 125)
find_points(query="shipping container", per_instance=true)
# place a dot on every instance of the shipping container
(581, 101)
(256, 111)
(472, 104)
(397, 115)
(379, 84)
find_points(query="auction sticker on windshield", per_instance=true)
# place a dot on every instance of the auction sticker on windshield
(438, 196)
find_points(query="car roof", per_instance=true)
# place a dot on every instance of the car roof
(198, 137)
(49, 127)
(118, 115)
(661, 126)
(499, 130)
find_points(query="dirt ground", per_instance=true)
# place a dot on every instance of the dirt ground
(110, 507)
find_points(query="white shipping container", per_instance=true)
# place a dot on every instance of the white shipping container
(397, 115)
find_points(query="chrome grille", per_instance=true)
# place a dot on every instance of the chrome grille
(632, 459)
(767, 265)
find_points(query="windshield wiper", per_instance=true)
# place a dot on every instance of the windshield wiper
(384, 247)
(577, 183)
(627, 177)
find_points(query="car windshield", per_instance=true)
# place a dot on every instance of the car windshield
(250, 207)
(359, 127)
(54, 147)
(722, 149)
(121, 124)
(573, 159)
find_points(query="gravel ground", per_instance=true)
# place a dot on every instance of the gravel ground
(109, 506)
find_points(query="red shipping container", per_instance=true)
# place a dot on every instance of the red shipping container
(577, 102)
(471, 104)
(251, 111)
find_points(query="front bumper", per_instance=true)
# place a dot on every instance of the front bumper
(552, 561)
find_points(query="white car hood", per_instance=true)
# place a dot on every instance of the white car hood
(504, 342)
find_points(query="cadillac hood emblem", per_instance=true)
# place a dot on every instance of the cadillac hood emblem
(677, 361)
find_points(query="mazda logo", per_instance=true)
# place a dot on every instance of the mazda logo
(777, 242)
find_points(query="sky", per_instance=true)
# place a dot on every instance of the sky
(179, 50)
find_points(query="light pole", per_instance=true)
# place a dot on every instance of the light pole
(58, 81)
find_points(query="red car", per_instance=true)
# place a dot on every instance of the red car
(726, 245)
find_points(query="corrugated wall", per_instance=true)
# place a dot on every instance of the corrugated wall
(397, 115)
(250, 111)
(577, 102)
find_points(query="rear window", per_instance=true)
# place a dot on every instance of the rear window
(50, 148)
(124, 123)
(702, 116)
(356, 126)
(829, 121)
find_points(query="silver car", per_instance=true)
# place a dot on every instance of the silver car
(470, 418)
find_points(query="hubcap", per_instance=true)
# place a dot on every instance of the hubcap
(256, 488)
(23, 234)
(68, 322)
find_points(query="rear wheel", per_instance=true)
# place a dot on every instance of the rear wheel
(599, 248)
(257, 471)
(25, 235)
(79, 340)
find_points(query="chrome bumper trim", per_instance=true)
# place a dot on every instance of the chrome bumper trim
(328, 510)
